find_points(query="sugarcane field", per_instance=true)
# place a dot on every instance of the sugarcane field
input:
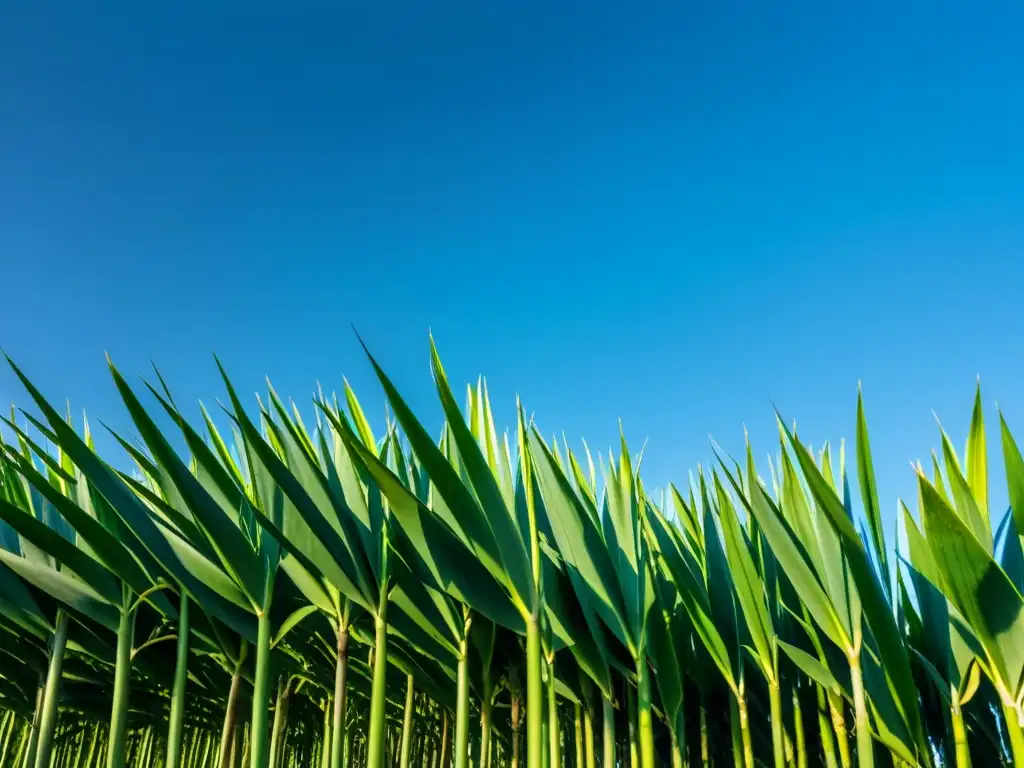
(352, 593)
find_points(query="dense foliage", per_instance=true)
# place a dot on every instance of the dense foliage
(277, 595)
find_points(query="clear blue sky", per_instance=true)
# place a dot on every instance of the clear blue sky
(672, 213)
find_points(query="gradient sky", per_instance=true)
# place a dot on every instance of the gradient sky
(676, 214)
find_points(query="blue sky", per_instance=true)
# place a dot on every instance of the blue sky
(675, 214)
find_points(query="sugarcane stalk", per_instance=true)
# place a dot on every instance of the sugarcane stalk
(176, 720)
(375, 747)
(51, 695)
(407, 722)
(116, 750)
(865, 748)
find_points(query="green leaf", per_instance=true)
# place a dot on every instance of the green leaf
(963, 497)
(750, 590)
(977, 586)
(977, 457)
(292, 621)
(136, 517)
(810, 666)
(1014, 475)
(791, 556)
(107, 547)
(443, 556)
(233, 550)
(510, 544)
(895, 659)
(63, 551)
(869, 493)
(579, 541)
(472, 521)
(72, 593)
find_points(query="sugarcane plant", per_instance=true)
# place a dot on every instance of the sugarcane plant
(241, 589)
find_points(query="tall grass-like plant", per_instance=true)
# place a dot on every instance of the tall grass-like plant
(283, 586)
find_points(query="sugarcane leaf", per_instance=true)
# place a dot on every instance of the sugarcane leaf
(795, 563)
(1014, 475)
(977, 586)
(1012, 557)
(666, 663)
(579, 541)
(107, 547)
(133, 517)
(63, 551)
(941, 684)
(795, 509)
(890, 725)
(977, 458)
(447, 560)
(510, 544)
(333, 502)
(221, 479)
(869, 491)
(750, 590)
(971, 683)
(70, 592)
(228, 541)
(307, 534)
(18, 604)
(293, 620)
(810, 666)
(458, 499)
(895, 660)
(960, 491)
(310, 585)
(578, 620)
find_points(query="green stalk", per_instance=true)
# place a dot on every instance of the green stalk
(775, 700)
(1013, 728)
(677, 750)
(645, 723)
(865, 753)
(748, 747)
(825, 731)
(634, 749)
(207, 747)
(177, 716)
(705, 747)
(534, 696)
(31, 742)
(544, 729)
(445, 745)
(578, 723)
(837, 708)
(93, 746)
(8, 732)
(554, 735)
(51, 696)
(326, 743)
(734, 727)
(486, 705)
(234, 746)
(259, 754)
(588, 731)
(340, 699)
(277, 730)
(462, 707)
(407, 723)
(122, 682)
(376, 745)
(963, 754)
(798, 731)
(608, 730)
(230, 714)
